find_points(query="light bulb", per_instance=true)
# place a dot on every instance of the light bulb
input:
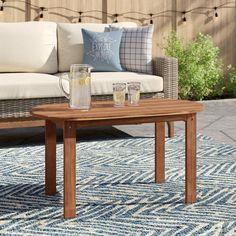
(184, 19)
(216, 13)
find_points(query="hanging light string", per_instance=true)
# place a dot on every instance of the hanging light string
(184, 19)
(41, 11)
(114, 16)
(216, 13)
(2, 6)
(151, 20)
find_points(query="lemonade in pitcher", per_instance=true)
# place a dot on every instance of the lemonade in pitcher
(80, 86)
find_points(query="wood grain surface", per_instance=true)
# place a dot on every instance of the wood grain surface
(104, 110)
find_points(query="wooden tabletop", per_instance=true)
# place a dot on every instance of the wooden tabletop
(104, 110)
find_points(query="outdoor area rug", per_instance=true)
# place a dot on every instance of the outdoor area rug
(116, 193)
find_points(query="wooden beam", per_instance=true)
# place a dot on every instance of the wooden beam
(27, 10)
(104, 11)
(21, 123)
(159, 152)
(69, 137)
(50, 158)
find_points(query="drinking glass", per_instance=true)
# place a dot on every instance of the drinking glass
(133, 93)
(119, 94)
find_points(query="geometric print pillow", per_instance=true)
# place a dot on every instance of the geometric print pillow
(136, 48)
(102, 49)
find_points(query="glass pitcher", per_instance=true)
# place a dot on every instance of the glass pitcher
(80, 86)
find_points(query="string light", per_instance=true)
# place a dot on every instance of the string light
(41, 10)
(115, 18)
(216, 13)
(2, 8)
(184, 19)
(80, 16)
(151, 20)
(148, 16)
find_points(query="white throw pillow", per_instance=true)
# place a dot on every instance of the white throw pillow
(70, 41)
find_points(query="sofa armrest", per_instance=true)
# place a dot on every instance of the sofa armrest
(167, 67)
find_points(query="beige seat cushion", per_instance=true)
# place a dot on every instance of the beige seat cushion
(70, 41)
(28, 85)
(28, 47)
(101, 83)
(36, 85)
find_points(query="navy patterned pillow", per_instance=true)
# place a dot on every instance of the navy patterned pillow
(136, 49)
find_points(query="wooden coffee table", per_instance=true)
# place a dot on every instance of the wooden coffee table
(103, 113)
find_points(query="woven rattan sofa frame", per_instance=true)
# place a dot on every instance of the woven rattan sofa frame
(16, 113)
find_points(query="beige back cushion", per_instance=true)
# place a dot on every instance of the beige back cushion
(28, 47)
(70, 41)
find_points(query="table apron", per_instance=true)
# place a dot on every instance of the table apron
(123, 121)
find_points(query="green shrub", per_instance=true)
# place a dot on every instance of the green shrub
(230, 84)
(200, 69)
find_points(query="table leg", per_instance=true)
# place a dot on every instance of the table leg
(69, 137)
(50, 158)
(160, 152)
(171, 129)
(190, 159)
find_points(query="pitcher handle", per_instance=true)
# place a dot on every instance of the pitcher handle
(65, 77)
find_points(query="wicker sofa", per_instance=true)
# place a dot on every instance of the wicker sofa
(34, 54)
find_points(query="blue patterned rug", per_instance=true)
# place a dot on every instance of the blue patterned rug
(116, 193)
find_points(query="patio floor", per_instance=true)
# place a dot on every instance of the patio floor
(217, 121)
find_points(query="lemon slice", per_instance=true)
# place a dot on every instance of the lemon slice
(137, 95)
(119, 96)
(85, 81)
